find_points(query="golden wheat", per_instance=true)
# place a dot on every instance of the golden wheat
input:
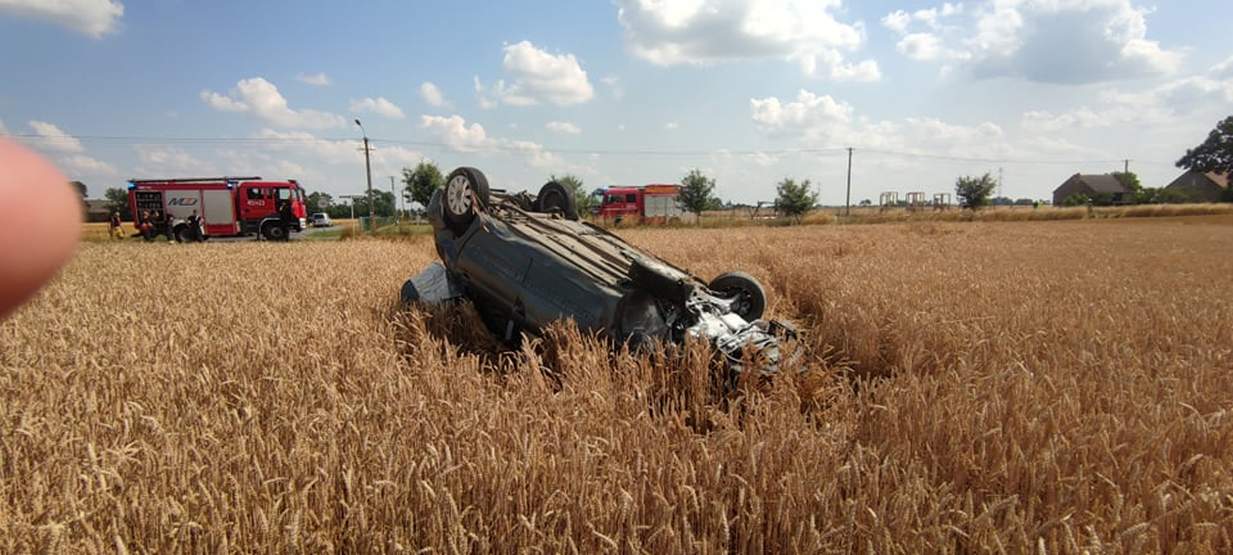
(1048, 387)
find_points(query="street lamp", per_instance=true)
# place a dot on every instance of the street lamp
(368, 172)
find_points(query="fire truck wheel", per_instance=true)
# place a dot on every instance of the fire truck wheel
(466, 192)
(749, 296)
(182, 235)
(554, 197)
(274, 232)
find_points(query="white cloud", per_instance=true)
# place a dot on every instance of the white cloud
(161, 161)
(53, 138)
(672, 125)
(94, 18)
(454, 132)
(432, 95)
(1223, 69)
(1049, 41)
(379, 106)
(809, 111)
(614, 86)
(222, 103)
(330, 152)
(1164, 104)
(537, 76)
(458, 135)
(828, 122)
(261, 98)
(82, 165)
(714, 31)
(897, 21)
(315, 79)
(564, 127)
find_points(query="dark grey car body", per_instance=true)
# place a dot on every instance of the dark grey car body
(524, 269)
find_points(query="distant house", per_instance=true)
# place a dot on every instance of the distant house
(1201, 186)
(1090, 186)
(97, 210)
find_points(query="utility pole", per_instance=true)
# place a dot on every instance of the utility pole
(394, 201)
(1000, 182)
(848, 198)
(368, 172)
(1126, 165)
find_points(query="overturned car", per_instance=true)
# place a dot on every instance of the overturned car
(526, 261)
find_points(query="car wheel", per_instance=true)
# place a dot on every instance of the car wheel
(274, 232)
(554, 197)
(182, 235)
(747, 295)
(466, 191)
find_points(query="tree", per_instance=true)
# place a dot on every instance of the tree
(1214, 155)
(383, 204)
(795, 199)
(866, 202)
(973, 192)
(1130, 181)
(1076, 199)
(117, 201)
(697, 192)
(582, 200)
(81, 188)
(319, 202)
(421, 182)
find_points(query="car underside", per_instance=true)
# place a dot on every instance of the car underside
(526, 261)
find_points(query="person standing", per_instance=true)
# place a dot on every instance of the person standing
(169, 222)
(195, 233)
(115, 228)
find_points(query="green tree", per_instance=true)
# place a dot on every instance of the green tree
(1076, 199)
(81, 188)
(973, 192)
(383, 204)
(697, 192)
(795, 199)
(582, 199)
(117, 201)
(421, 182)
(1130, 181)
(318, 202)
(1214, 155)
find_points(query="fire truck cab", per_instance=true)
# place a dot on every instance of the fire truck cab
(656, 203)
(227, 206)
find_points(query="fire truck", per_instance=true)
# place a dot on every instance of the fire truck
(655, 203)
(228, 206)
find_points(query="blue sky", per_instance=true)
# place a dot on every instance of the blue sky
(624, 92)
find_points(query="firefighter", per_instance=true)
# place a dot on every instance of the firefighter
(194, 227)
(146, 226)
(169, 222)
(115, 228)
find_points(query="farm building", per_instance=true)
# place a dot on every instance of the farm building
(1090, 186)
(1201, 186)
(97, 210)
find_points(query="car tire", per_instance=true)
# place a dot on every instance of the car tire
(555, 197)
(748, 293)
(465, 192)
(182, 235)
(274, 232)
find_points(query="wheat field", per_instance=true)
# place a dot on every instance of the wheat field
(1008, 387)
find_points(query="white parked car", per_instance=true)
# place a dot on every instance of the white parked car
(321, 219)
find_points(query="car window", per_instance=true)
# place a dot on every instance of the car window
(284, 194)
(256, 193)
(632, 197)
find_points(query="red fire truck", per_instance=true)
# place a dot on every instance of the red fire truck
(228, 206)
(655, 203)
